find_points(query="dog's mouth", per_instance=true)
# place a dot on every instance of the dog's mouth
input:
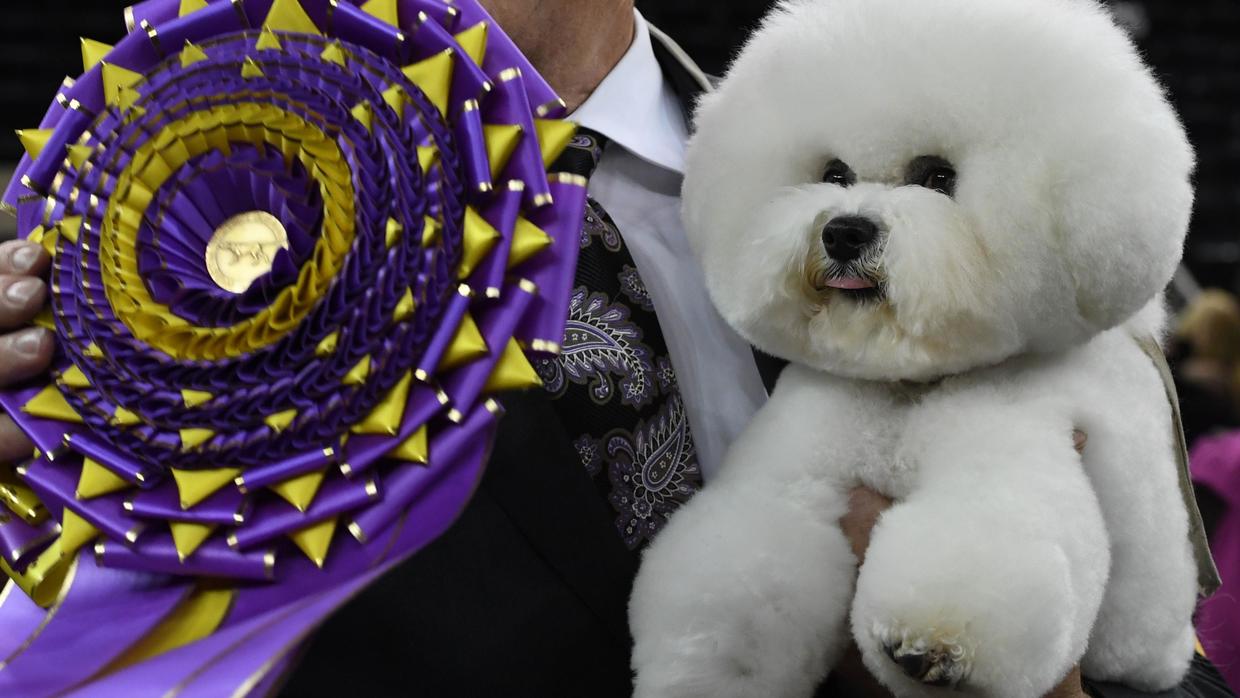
(856, 287)
(860, 281)
(851, 283)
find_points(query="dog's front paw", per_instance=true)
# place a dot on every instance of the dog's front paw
(932, 658)
(993, 615)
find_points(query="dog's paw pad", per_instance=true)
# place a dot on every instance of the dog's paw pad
(931, 663)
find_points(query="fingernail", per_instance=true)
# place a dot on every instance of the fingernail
(23, 291)
(24, 258)
(29, 342)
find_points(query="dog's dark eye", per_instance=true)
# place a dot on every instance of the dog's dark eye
(932, 172)
(942, 180)
(839, 173)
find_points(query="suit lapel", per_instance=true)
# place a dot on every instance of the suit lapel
(536, 477)
(687, 80)
(538, 480)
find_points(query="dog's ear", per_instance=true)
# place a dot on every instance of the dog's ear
(1123, 200)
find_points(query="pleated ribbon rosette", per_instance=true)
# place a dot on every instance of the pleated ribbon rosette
(297, 245)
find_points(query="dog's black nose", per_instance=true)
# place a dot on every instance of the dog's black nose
(847, 236)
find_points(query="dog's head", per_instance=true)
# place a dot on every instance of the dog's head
(893, 189)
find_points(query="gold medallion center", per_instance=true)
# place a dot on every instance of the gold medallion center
(243, 248)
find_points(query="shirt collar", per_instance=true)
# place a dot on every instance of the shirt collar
(636, 108)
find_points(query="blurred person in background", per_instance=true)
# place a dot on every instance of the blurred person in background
(1205, 358)
(1206, 348)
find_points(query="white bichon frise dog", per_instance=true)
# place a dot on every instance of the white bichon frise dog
(954, 218)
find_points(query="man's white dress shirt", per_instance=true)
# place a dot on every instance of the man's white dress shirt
(638, 183)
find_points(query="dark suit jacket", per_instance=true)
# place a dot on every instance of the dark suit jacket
(526, 595)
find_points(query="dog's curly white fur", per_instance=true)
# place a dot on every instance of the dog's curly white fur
(1000, 316)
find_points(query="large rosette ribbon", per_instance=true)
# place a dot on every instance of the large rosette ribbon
(297, 246)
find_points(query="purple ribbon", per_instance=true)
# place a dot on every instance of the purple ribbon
(324, 133)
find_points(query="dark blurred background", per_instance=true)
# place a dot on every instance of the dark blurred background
(1194, 46)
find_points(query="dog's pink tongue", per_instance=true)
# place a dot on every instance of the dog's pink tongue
(850, 282)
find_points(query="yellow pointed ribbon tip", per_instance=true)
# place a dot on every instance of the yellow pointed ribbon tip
(79, 154)
(334, 53)
(501, 141)
(427, 155)
(50, 403)
(386, 417)
(327, 347)
(74, 378)
(479, 239)
(93, 351)
(553, 137)
(468, 345)
(280, 420)
(127, 97)
(196, 617)
(194, 398)
(527, 241)
(430, 231)
(96, 481)
(191, 54)
(394, 96)
(196, 485)
(315, 540)
(358, 374)
(45, 320)
(125, 418)
(268, 41)
(188, 6)
(513, 371)
(36, 235)
(195, 437)
(474, 42)
(384, 10)
(290, 16)
(75, 532)
(415, 449)
(115, 79)
(301, 490)
(393, 232)
(406, 306)
(69, 228)
(34, 139)
(187, 537)
(251, 69)
(93, 52)
(364, 113)
(50, 238)
(434, 77)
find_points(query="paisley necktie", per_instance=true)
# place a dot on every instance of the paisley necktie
(613, 384)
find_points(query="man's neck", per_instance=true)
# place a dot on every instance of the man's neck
(574, 44)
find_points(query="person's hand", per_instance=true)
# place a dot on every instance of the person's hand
(865, 506)
(25, 351)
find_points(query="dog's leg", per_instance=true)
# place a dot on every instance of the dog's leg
(1143, 636)
(746, 592)
(989, 575)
